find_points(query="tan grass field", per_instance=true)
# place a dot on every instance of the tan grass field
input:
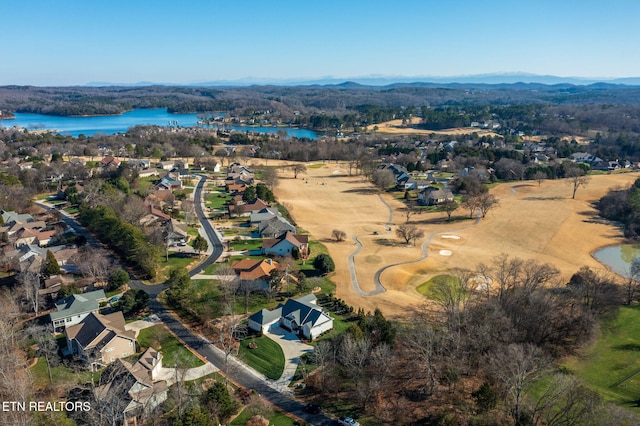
(397, 128)
(530, 222)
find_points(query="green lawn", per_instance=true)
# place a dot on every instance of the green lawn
(315, 166)
(237, 230)
(427, 288)
(192, 231)
(60, 374)
(216, 200)
(175, 261)
(267, 358)
(212, 269)
(251, 245)
(315, 248)
(340, 325)
(275, 418)
(143, 184)
(612, 358)
(172, 350)
(72, 210)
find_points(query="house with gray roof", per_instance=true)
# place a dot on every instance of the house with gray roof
(264, 214)
(168, 183)
(175, 232)
(432, 196)
(73, 309)
(274, 227)
(302, 316)
(11, 216)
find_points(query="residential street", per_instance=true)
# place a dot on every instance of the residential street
(237, 372)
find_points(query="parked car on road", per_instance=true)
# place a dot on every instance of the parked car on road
(348, 421)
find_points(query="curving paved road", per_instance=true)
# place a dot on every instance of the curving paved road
(352, 262)
(425, 251)
(236, 371)
(210, 234)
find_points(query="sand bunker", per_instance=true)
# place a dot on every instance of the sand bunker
(450, 237)
(445, 253)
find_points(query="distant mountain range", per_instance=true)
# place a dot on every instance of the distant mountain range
(492, 79)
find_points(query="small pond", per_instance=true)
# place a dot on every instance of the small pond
(619, 257)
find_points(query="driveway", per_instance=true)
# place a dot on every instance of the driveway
(140, 325)
(293, 349)
(171, 374)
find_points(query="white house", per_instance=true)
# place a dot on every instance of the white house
(285, 244)
(73, 309)
(300, 315)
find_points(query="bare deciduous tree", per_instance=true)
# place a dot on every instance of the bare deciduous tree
(383, 179)
(409, 232)
(423, 346)
(515, 367)
(486, 202)
(539, 176)
(411, 210)
(133, 209)
(299, 168)
(449, 206)
(353, 356)
(576, 178)
(30, 282)
(338, 235)
(270, 177)
(229, 331)
(566, 401)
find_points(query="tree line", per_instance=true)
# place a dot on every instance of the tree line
(471, 355)
(125, 239)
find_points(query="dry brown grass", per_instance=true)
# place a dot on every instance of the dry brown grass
(530, 222)
(396, 127)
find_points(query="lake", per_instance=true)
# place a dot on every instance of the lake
(111, 124)
(619, 257)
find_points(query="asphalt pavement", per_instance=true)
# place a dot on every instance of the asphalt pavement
(242, 376)
(238, 374)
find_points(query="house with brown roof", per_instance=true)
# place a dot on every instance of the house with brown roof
(64, 255)
(286, 244)
(132, 390)
(52, 285)
(25, 237)
(235, 188)
(153, 216)
(100, 339)
(246, 209)
(256, 270)
(45, 237)
(109, 161)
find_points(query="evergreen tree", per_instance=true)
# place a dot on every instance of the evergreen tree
(200, 244)
(117, 279)
(50, 265)
(324, 264)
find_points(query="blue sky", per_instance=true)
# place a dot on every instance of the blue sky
(67, 42)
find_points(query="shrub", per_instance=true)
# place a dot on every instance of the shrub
(324, 264)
